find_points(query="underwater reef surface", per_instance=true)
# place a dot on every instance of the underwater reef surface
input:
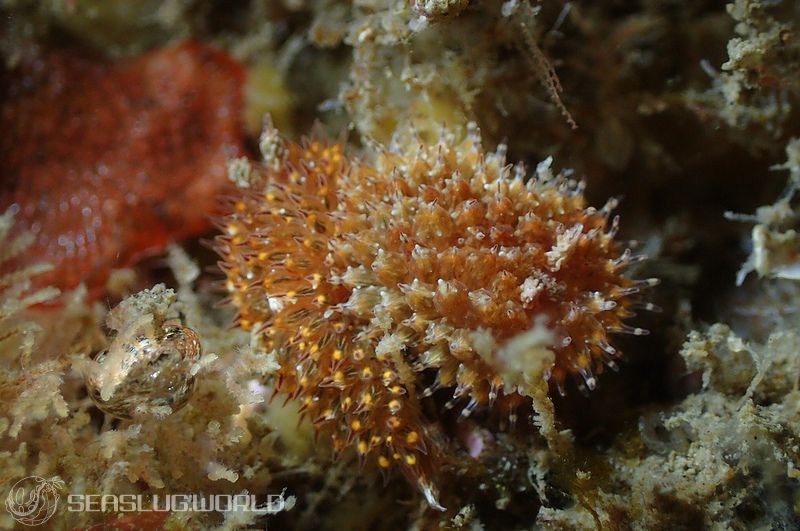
(276, 251)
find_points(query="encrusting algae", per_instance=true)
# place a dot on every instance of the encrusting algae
(379, 283)
(153, 140)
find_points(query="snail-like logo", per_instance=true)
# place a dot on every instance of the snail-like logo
(34, 500)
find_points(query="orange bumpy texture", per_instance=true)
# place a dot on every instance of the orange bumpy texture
(106, 161)
(366, 278)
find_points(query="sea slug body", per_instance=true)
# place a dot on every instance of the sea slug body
(374, 281)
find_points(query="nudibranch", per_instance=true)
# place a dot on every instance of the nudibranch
(370, 279)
